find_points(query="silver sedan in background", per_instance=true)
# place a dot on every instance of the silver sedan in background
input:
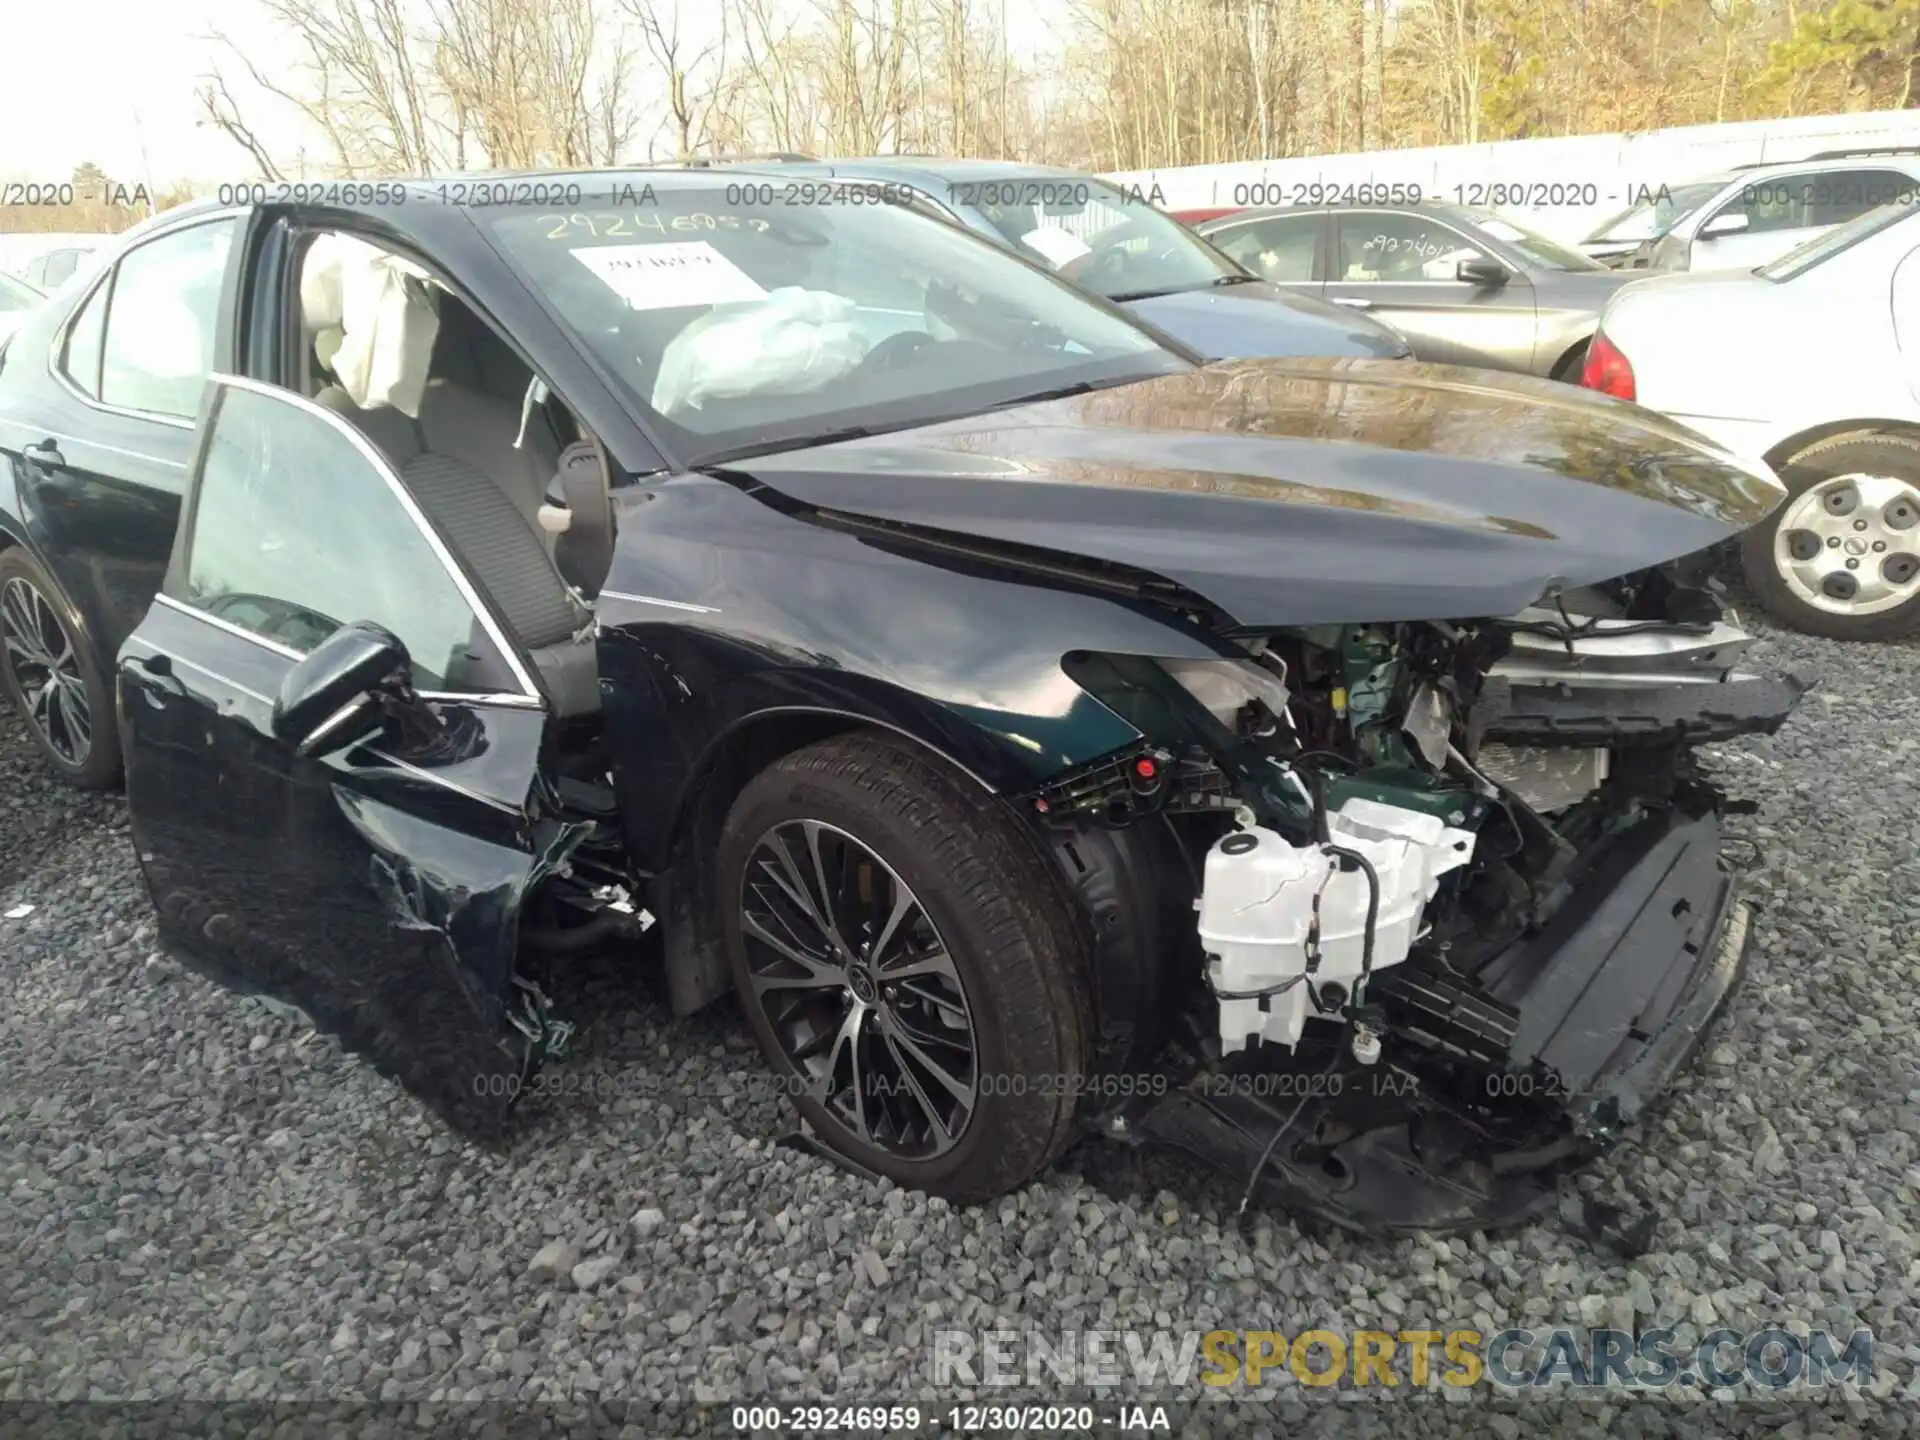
(1465, 286)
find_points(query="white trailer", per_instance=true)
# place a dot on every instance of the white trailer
(1563, 187)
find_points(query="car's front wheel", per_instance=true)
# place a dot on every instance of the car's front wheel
(908, 964)
(52, 679)
(1841, 556)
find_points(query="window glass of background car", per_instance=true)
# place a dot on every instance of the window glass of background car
(296, 532)
(161, 321)
(1107, 240)
(80, 357)
(1776, 204)
(1398, 248)
(1538, 250)
(1278, 249)
(1842, 195)
(1655, 215)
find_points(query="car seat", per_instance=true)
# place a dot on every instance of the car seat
(457, 456)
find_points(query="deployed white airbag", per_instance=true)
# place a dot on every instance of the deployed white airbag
(373, 319)
(794, 341)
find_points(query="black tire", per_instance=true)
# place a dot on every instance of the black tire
(1567, 369)
(97, 767)
(1857, 454)
(990, 895)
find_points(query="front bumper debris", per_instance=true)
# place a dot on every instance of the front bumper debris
(1601, 715)
(1537, 1061)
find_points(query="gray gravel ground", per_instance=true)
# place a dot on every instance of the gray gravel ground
(203, 1202)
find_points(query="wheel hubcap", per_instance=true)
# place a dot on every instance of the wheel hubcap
(1851, 545)
(859, 989)
(46, 671)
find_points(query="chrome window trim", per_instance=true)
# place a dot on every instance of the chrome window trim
(529, 690)
(503, 699)
(42, 430)
(285, 651)
(58, 345)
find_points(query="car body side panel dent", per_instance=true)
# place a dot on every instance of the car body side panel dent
(377, 888)
(719, 607)
(1295, 492)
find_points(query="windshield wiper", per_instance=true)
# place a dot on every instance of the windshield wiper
(1126, 295)
(1238, 280)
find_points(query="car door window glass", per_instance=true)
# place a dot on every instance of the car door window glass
(80, 356)
(161, 321)
(1400, 249)
(1777, 204)
(297, 531)
(1842, 195)
(1280, 249)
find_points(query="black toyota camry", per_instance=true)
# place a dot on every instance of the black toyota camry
(1038, 731)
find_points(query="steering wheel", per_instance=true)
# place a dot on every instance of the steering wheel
(1108, 253)
(896, 350)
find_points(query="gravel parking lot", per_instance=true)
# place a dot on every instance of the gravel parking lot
(203, 1201)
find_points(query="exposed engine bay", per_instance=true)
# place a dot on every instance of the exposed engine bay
(1449, 906)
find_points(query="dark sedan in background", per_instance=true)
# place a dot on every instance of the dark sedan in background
(1465, 286)
(1116, 243)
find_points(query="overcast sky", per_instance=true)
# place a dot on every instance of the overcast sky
(126, 101)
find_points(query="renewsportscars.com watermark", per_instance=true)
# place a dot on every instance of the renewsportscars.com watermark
(1768, 1360)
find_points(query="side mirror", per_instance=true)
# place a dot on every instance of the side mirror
(356, 661)
(1727, 222)
(1481, 271)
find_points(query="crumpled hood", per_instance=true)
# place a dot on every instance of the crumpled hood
(1291, 492)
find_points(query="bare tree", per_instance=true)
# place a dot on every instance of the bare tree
(221, 109)
(692, 75)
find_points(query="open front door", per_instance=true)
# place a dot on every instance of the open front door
(368, 867)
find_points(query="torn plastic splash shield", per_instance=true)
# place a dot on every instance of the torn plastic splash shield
(1595, 1018)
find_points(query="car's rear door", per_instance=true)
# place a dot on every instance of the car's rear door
(1399, 266)
(376, 884)
(104, 433)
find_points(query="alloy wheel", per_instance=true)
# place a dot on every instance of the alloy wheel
(1850, 545)
(45, 667)
(859, 989)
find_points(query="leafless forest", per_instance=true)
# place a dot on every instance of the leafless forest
(432, 86)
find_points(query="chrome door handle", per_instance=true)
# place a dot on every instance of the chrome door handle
(1353, 302)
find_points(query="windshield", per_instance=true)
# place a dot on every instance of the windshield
(741, 326)
(1655, 215)
(1825, 246)
(1102, 239)
(1537, 248)
(17, 295)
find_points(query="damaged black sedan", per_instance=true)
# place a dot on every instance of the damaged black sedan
(1038, 731)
